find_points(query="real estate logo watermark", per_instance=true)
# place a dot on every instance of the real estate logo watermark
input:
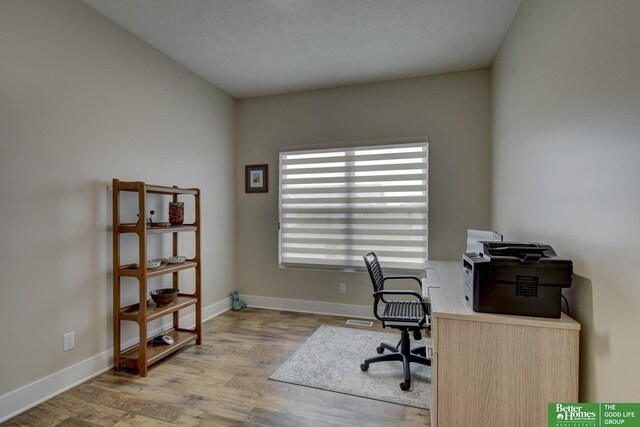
(594, 414)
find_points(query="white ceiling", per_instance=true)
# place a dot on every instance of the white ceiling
(262, 47)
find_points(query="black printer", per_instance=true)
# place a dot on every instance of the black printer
(518, 278)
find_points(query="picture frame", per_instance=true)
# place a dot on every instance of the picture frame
(256, 178)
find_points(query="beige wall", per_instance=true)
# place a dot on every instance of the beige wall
(83, 101)
(566, 108)
(453, 110)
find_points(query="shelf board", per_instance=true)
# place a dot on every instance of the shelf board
(133, 228)
(159, 189)
(153, 311)
(131, 270)
(156, 352)
(155, 189)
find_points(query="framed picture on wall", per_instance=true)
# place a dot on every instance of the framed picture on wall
(256, 179)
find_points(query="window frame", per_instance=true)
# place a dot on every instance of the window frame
(347, 146)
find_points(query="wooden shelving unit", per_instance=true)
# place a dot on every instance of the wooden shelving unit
(142, 356)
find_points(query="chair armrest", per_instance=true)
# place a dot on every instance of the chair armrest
(415, 294)
(417, 279)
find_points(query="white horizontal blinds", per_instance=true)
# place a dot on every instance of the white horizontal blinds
(338, 204)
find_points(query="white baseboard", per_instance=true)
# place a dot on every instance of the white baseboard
(30, 395)
(306, 306)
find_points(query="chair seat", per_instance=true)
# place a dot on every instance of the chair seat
(403, 311)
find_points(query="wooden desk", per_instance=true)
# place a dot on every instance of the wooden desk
(491, 369)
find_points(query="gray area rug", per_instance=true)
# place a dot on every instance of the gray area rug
(330, 360)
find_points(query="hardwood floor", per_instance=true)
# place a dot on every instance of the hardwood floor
(223, 382)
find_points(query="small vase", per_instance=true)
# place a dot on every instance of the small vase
(176, 213)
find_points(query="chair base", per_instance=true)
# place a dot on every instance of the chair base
(403, 353)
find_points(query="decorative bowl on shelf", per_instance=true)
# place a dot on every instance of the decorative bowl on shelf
(176, 259)
(154, 263)
(164, 296)
(160, 225)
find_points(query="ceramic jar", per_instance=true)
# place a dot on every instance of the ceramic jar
(176, 213)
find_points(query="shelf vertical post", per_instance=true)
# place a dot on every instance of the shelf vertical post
(198, 328)
(116, 277)
(176, 278)
(142, 278)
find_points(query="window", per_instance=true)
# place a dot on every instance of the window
(336, 204)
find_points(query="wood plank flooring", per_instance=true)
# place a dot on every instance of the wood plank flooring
(223, 382)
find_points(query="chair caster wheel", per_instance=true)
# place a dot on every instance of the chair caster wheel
(364, 366)
(404, 386)
(380, 350)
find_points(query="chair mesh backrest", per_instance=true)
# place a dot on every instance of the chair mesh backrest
(375, 271)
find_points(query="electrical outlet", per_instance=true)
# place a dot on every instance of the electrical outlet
(343, 288)
(69, 341)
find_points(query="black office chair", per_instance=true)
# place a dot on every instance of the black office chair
(406, 315)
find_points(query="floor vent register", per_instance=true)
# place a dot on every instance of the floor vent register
(359, 322)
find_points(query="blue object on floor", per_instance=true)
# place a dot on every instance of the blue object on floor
(236, 302)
